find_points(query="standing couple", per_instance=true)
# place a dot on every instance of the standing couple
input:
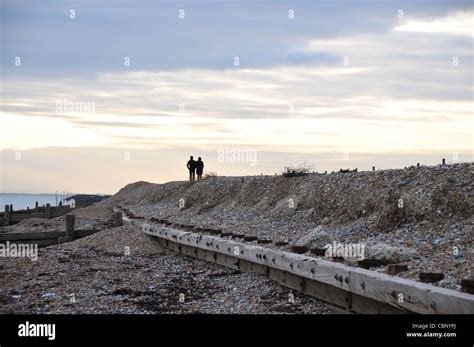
(195, 167)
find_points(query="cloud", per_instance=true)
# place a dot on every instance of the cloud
(251, 106)
(459, 23)
(210, 35)
(341, 76)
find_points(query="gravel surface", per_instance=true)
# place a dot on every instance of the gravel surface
(124, 271)
(421, 217)
(426, 210)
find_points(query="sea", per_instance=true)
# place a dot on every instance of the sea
(22, 201)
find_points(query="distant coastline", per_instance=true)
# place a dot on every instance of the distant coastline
(22, 201)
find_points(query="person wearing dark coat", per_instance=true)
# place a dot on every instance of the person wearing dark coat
(199, 168)
(191, 165)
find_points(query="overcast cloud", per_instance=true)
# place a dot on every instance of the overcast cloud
(366, 77)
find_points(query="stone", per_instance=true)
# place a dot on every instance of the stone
(386, 253)
(317, 239)
(393, 269)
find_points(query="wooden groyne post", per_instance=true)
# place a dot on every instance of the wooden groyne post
(70, 220)
(48, 211)
(118, 221)
(36, 207)
(7, 215)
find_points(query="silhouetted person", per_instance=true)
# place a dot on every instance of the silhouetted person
(191, 165)
(199, 168)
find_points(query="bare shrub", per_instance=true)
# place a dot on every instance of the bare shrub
(296, 171)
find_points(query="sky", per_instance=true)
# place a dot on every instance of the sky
(99, 94)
